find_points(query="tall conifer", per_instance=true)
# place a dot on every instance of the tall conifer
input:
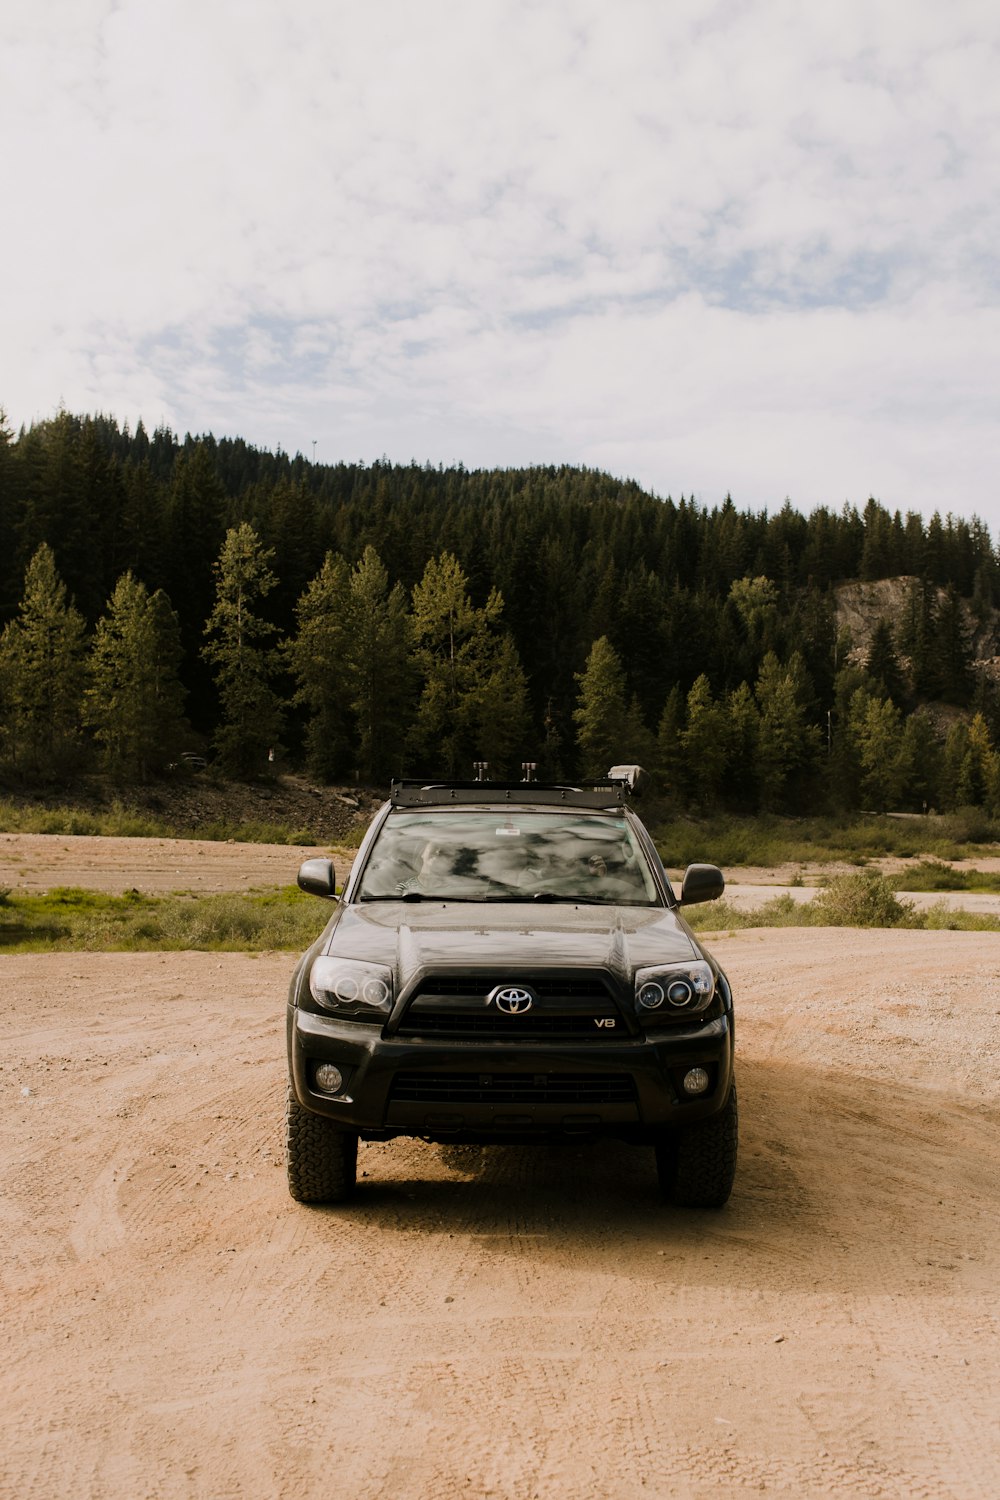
(42, 674)
(237, 649)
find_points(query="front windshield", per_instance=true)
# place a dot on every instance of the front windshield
(495, 855)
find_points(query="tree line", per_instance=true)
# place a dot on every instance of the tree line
(159, 594)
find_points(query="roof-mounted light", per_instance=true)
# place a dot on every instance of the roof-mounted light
(634, 777)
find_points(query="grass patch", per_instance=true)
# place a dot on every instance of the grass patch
(74, 920)
(769, 841)
(864, 899)
(932, 875)
(115, 821)
(121, 821)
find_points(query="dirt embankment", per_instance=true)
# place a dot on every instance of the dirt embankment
(506, 1322)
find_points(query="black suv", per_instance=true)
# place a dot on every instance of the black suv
(508, 961)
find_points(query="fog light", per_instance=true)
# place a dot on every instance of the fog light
(330, 1079)
(695, 1081)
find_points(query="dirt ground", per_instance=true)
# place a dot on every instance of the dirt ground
(506, 1322)
(40, 861)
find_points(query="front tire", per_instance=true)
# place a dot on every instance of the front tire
(322, 1160)
(697, 1164)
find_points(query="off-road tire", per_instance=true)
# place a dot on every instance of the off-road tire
(697, 1165)
(322, 1160)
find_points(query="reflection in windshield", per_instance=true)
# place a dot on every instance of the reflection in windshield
(496, 856)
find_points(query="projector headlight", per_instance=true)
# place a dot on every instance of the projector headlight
(352, 988)
(673, 991)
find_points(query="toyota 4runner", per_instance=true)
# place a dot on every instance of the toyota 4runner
(509, 961)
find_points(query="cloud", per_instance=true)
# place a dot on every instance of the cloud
(734, 247)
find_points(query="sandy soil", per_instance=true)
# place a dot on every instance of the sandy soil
(40, 861)
(507, 1322)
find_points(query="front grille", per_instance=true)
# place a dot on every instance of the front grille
(565, 1089)
(478, 986)
(454, 1005)
(459, 1023)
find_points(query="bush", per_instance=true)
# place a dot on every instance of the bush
(863, 900)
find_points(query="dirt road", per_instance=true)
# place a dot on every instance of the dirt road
(42, 861)
(507, 1322)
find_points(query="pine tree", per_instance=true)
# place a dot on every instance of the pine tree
(42, 674)
(251, 715)
(142, 545)
(600, 709)
(317, 657)
(668, 764)
(636, 742)
(756, 599)
(55, 507)
(499, 713)
(134, 700)
(788, 744)
(920, 763)
(843, 766)
(976, 782)
(742, 737)
(882, 664)
(953, 766)
(379, 673)
(194, 533)
(952, 650)
(453, 653)
(917, 633)
(876, 727)
(703, 744)
(876, 555)
(288, 526)
(10, 508)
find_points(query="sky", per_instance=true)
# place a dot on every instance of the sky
(717, 248)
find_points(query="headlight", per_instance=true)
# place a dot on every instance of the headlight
(663, 994)
(351, 988)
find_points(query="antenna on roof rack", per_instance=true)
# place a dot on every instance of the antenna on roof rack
(528, 769)
(480, 767)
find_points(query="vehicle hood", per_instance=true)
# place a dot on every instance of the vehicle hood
(412, 939)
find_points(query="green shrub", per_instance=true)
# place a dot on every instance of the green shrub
(125, 822)
(90, 921)
(862, 900)
(771, 840)
(941, 917)
(933, 875)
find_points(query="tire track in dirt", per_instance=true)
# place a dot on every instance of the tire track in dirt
(504, 1322)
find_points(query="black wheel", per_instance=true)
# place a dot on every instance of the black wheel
(322, 1160)
(697, 1164)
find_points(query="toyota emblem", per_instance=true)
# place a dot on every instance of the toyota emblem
(512, 999)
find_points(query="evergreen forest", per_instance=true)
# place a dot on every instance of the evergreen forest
(163, 597)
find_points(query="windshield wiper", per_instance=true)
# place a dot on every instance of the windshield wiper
(425, 896)
(433, 896)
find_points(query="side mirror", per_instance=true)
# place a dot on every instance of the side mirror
(702, 883)
(317, 878)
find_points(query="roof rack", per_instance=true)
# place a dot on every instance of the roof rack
(610, 792)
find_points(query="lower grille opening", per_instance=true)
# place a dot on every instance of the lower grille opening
(565, 1089)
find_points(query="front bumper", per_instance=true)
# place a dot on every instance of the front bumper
(497, 1090)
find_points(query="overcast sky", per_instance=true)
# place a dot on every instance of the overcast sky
(736, 247)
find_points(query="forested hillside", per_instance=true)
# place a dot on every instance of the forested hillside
(160, 595)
